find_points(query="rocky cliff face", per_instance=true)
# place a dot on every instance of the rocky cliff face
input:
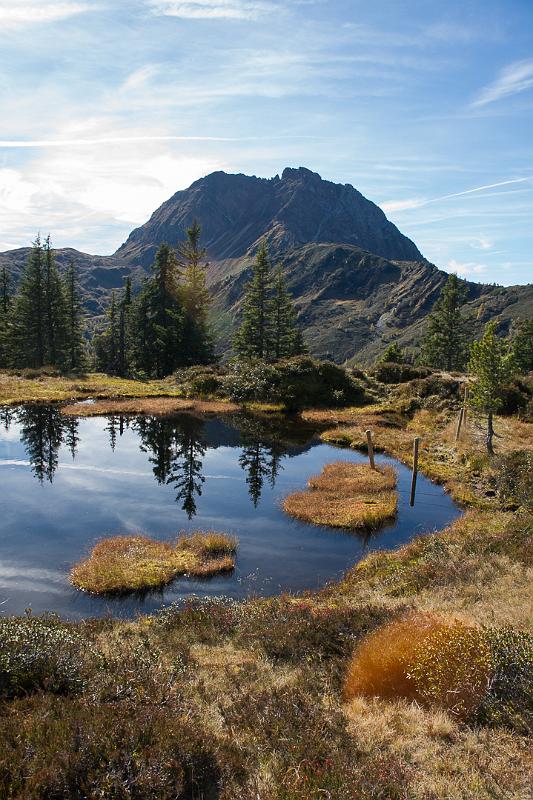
(237, 211)
(357, 281)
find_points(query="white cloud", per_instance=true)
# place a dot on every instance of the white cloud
(516, 77)
(482, 243)
(213, 9)
(406, 205)
(466, 267)
(18, 13)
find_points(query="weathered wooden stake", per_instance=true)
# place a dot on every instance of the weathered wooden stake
(415, 471)
(370, 449)
(459, 423)
(465, 405)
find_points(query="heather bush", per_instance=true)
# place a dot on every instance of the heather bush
(41, 653)
(513, 479)
(509, 700)
(201, 381)
(394, 372)
(69, 749)
(295, 382)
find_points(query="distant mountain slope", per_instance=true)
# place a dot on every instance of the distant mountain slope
(351, 303)
(358, 282)
(237, 211)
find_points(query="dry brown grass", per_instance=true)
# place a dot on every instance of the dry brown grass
(153, 406)
(346, 495)
(423, 657)
(123, 564)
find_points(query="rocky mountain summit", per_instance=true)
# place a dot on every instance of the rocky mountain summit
(358, 282)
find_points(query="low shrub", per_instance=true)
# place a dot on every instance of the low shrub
(71, 749)
(513, 479)
(295, 382)
(517, 396)
(201, 381)
(394, 372)
(509, 700)
(41, 653)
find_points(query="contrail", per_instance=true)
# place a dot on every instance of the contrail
(478, 189)
(16, 143)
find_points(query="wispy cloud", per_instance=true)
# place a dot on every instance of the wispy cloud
(404, 205)
(516, 77)
(24, 143)
(24, 12)
(213, 9)
(466, 267)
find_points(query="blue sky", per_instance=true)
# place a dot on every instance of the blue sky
(108, 108)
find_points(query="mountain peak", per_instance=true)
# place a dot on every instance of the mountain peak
(237, 211)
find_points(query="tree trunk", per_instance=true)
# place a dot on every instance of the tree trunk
(490, 434)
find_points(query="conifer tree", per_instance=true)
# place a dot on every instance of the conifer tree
(491, 364)
(28, 319)
(197, 337)
(107, 343)
(254, 337)
(445, 344)
(522, 346)
(287, 336)
(124, 331)
(394, 354)
(75, 355)
(55, 309)
(5, 307)
(160, 315)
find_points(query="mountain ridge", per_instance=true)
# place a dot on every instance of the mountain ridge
(357, 281)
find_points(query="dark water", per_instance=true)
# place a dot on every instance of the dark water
(64, 483)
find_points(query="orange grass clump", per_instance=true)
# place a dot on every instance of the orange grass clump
(123, 564)
(346, 495)
(426, 658)
(154, 406)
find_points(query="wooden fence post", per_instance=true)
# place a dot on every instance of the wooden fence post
(370, 449)
(465, 405)
(459, 423)
(415, 471)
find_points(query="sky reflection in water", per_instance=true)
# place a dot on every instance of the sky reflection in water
(64, 483)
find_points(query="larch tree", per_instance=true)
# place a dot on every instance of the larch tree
(445, 344)
(491, 364)
(197, 337)
(55, 314)
(124, 344)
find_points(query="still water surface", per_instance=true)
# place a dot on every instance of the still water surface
(65, 483)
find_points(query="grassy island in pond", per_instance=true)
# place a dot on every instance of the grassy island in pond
(348, 496)
(123, 564)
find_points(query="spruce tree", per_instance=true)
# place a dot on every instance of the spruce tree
(197, 337)
(159, 336)
(55, 316)
(445, 345)
(254, 337)
(75, 355)
(492, 365)
(5, 307)
(28, 319)
(124, 331)
(394, 354)
(287, 339)
(107, 343)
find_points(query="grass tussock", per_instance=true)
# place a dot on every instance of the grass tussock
(137, 563)
(426, 658)
(345, 495)
(153, 406)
